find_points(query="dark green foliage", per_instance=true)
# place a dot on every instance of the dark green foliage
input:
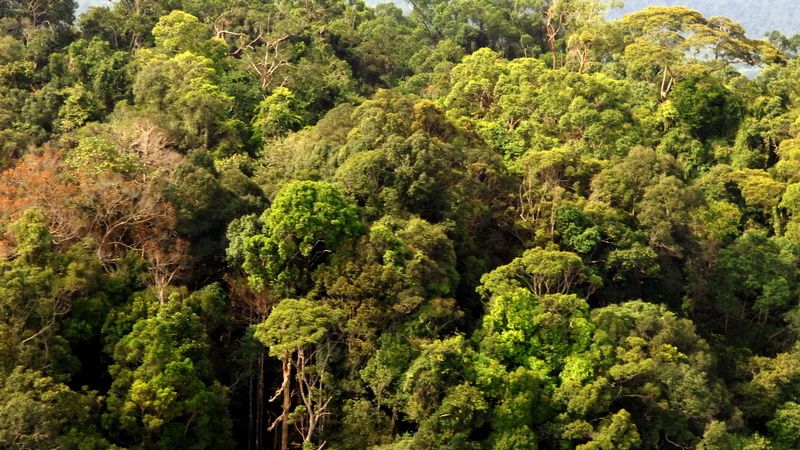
(706, 107)
(39, 413)
(455, 225)
(164, 394)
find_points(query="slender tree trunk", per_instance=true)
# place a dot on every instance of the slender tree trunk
(250, 408)
(287, 402)
(260, 403)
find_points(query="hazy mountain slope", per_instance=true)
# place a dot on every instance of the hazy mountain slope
(758, 16)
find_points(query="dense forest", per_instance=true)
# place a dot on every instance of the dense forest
(317, 224)
(757, 16)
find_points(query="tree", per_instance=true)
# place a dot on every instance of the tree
(388, 42)
(532, 334)
(785, 425)
(195, 108)
(647, 374)
(36, 296)
(789, 45)
(663, 212)
(38, 412)
(447, 408)
(706, 106)
(420, 228)
(180, 32)
(753, 281)
(278, 114)
(667, 41)
(624, 183)
(111, 189)
(164, 393)
(306, 222)
(58, 13)
(543, 272)
(473, 82)
(129, 22)
(565, 16)
(295, 332)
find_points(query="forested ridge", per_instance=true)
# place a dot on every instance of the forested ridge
(316, 224)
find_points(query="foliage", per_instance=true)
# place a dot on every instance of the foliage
(306, 221)
(473, 224)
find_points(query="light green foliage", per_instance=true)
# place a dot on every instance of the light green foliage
(448, 410)
(38, 412)
(450, 427)
(646, 353)
(435, 217)
(543, 272)
(97, 155)
(785, 427)
(759, 189)
(718, 222)
(665, 42)
(31, 236)
(532, 334)
(789, 152)
(791, 199)
(768, 384)
(294, 324)
(180, 32)
(164, 394)
(539, 333)
(472, 84)
(306, 221)
(617, 432)
(592, 110)
(13, 49)
(278, 114)
(195, 107)
(79, 107)
(37, 289)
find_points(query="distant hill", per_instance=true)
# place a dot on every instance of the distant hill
(757, 16)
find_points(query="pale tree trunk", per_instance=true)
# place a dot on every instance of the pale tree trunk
(285, 391)
(553, 22)
(311, 389)
(287, 402)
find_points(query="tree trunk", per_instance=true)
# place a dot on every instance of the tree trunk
(287, 402)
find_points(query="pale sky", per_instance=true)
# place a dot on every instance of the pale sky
(83, 5)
